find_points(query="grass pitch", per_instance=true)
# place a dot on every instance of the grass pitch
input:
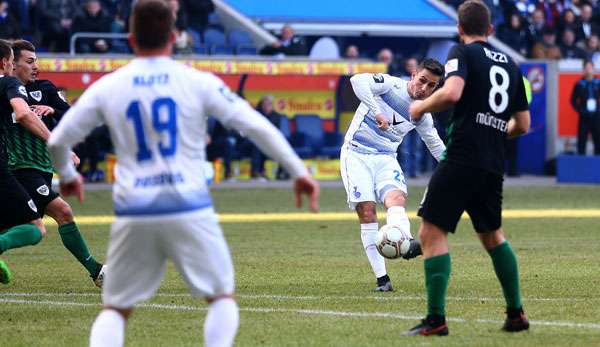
(308, 283)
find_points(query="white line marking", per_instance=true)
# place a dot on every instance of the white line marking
(316, 298)
(302, 311)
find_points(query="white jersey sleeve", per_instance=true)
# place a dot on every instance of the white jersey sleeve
(430, 136)
(74, 126)
(367, 85)
(236, 113)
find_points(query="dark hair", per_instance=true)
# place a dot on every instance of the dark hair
(587, 61)
(474, 17)
(432, 65)
(5, 49)
(152, 21)
(22, 45)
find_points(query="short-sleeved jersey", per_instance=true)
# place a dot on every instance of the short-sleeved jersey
(156, 111)
(387, 95)
(10, 88)
(493, 92)
(25, 150)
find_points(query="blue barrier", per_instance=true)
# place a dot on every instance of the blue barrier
(577, 169)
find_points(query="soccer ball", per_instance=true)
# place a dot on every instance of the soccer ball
(391, 242)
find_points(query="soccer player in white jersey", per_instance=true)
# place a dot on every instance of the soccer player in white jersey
(156, 111)
(368, 164)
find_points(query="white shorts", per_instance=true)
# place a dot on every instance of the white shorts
(140, 246)
(369, 177)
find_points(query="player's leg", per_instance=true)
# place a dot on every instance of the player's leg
(20, 222)
(485, 211)
(356, 171)
(138, 266)
(72, 238)
(392, 191)
(199, 251)
(444, 202)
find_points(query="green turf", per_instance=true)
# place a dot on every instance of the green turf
(295, 280)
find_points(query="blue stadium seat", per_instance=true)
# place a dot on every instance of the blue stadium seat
(332, 144)
(201, 49)
(214, 37)
(238, 37)
(221, 50)
(309, 125)
(246, 50)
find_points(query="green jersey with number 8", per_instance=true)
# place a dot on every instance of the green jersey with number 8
(493, 92)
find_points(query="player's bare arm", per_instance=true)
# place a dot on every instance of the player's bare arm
(439, 101)
(29, 119)
(519, 124)
(42, 110)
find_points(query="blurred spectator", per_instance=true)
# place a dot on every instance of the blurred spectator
(351, 52)
(592, 49)
(197, 13)
(221, 147)
(536, 26)
(584, 100)
(186, 40)
(56, 19)
(23, 12)
(92, 19)
(91, 151)
(568, 48)
(525, 7)
(9, 26)
(257, 167)
(386, 56)
(411, 64)
(586, 26)
(287, 45)
(568, 21)
(513, 34)
(552, 10)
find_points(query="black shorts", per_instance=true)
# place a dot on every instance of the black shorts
(455, 188)
(17, 207)
(38, 185)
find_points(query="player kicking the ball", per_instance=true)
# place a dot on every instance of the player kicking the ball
(156, 110)
(368, 164)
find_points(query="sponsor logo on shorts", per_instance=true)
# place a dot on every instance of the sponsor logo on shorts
(356, 192)
(43, 190)
(32, 205)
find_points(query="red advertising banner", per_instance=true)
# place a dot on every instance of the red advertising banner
(567, 116)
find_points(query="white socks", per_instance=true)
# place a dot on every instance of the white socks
(368, 234)
(108, 330)
(396, 215)
(221, 323)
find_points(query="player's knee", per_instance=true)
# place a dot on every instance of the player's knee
(492, 239)
(394, 198)
(366, 212)
(124, 312)
(61, 212)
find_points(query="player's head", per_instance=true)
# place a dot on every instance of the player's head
(26, 66)
(6, 58)
(474, 19)
(152, 28)
(426, 79)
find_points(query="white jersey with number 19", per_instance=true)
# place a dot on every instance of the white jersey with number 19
(157, 122)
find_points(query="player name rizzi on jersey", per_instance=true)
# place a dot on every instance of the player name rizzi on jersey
(491, 121)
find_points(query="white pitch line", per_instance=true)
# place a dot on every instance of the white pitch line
(303, 311)
(314, 298)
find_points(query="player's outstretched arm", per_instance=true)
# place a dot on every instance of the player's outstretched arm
(439, 101)
(28, 119)
(430, 136)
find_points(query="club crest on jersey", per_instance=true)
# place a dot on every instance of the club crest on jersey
(32, 205)
(378, 78)
(356, 192)
(36, 95)
(43, 190)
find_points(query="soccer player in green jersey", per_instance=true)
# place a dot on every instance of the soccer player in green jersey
(20, 223)
(30, 162)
